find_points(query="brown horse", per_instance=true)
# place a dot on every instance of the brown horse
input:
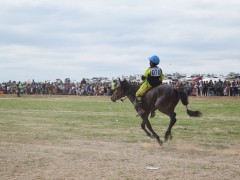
(163, 97)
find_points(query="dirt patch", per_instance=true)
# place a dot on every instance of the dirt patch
(85, 159)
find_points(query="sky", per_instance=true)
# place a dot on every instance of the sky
(47, 40)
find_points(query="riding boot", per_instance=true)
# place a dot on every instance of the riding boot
(139, 106)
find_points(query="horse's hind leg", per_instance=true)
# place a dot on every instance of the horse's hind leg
(173, 120)
(145, 130)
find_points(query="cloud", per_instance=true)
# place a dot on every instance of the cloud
(52, 39)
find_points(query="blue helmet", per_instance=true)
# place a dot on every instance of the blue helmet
(154, 59)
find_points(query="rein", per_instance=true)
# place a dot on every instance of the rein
(123, 99)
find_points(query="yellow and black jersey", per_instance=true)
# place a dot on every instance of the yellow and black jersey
(154, 76)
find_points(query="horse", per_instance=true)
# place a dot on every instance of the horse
(163, 98)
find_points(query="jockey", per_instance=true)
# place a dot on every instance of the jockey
(152, 77)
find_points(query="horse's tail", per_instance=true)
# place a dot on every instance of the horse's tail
(184, 98)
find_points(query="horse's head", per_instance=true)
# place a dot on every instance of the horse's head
(119, 92)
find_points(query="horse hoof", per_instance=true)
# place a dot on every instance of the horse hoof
(160, 142)
(168, 138)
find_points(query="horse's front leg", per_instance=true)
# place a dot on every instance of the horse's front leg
(168, 135)
(145, 130)
(149, 126)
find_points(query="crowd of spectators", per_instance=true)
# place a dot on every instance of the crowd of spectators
(84, 88)
(210, 88)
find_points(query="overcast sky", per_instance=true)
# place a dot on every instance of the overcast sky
(49, 39)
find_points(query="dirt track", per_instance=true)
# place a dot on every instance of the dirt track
(84, 159)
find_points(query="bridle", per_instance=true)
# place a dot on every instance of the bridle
(123, 99)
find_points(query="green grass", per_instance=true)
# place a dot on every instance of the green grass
(53, 119)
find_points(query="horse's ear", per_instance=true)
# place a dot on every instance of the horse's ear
(121, 80)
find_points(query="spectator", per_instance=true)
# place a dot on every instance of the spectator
(195, 89)
(211, 88)
(238, 85)
(113, 86)
(177, 85)
(83, 81)
(19, 88)
(205, 88)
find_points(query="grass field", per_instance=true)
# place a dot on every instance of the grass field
(70, 137)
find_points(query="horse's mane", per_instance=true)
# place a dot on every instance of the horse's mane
(130, 87)
(134, 85)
